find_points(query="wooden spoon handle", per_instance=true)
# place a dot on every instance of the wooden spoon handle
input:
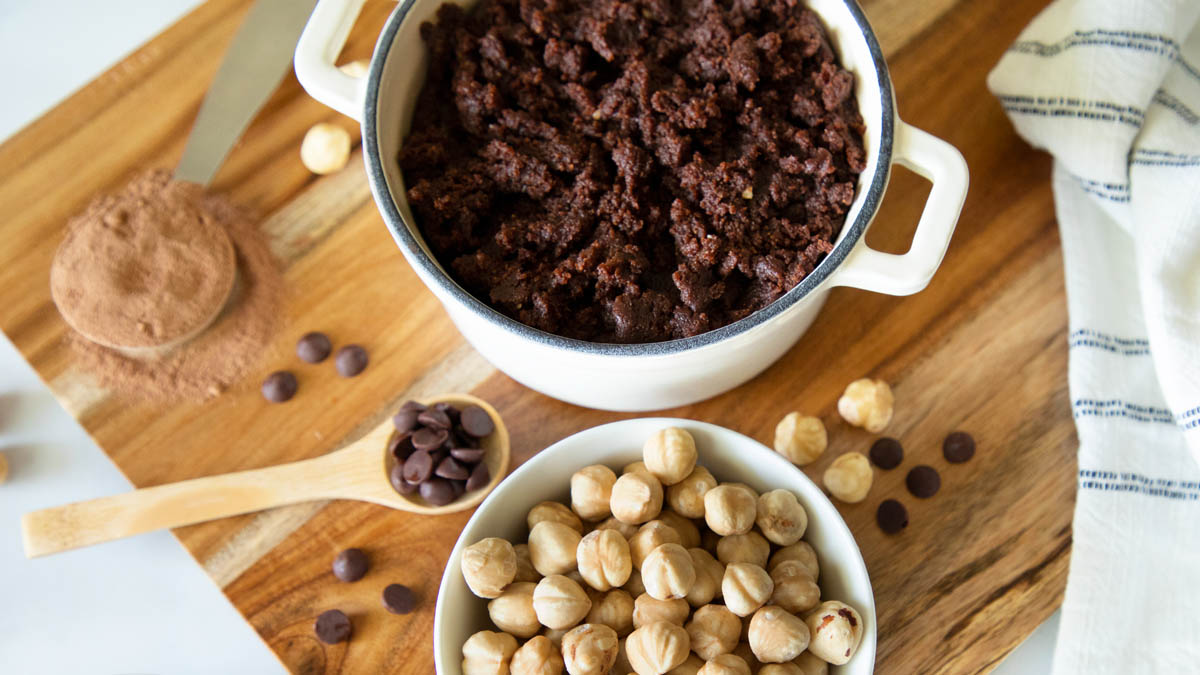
(176, 504)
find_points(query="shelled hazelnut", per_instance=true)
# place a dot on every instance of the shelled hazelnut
(868, 404)
(689, 534)
(649, 537)
(488, 653)
(809, 664)
(795, 589)
(730, 509)
(801, 439)
(538, 656)
(836, 631)
(849, 477)
(657, 648)
(613, 609)
(668, 572)
(591, 492)
(560, 602)
(776, 635)
(648, 609)
(525, 570)
(750, 547)
(554, 511)
(512, 611)
(636, 498)
(488, 566)
(687, 496)
(627, 530)
(745, 588)
(713, 630)
(800, 551)
(603, 559)
(670, 454)
(709, 574)
(726, 664)
(590, 649)
(552, 547)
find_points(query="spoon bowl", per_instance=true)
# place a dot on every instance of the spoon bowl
(358, 471)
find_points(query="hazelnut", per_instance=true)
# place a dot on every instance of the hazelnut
(749, 547)
(325, 148)
(553, 511)
(730, 509)
(525, 571)
(604, 560)
(539, 656)
(809, 664)
(668, 572)
(800, 439)
(648, 609)
(781, 517)
(649, 537)
(836, 631)
(743, 650)
(552, 547)
(555, 635)
(488, 653)
(714, 630)
(689, 534)
(355, 69)
(590, 649)
(795, 589)
(709, 573)
(849, 477)
(670, 454)
(687, 496)
(690, 666)
(627, 530)
(636, 498)
(800, 551)
(560, 602)
(745, 588)
(867, 403)
(513, 613)
(726, 664)
(488, 566)
(776, 635)
(613, 609)
(634, 586)
(657, 648)
(634, 466)
(591, 491)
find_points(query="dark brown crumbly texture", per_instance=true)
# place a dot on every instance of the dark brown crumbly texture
(632, 171)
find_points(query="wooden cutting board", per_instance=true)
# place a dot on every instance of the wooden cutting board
(982, 349)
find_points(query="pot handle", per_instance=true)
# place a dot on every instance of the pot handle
(318, 48)
(941, 164)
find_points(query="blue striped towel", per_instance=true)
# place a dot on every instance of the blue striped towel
(1111, 88)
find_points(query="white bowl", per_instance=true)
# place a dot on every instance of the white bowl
(676, 372)
(730, 456)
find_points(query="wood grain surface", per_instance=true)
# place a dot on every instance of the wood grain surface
(982, 349)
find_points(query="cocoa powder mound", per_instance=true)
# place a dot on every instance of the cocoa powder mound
(221, 354)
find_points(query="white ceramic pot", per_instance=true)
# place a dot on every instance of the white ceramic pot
(730, 456)
(666, 374)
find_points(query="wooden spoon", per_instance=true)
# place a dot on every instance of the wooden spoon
(358, 471)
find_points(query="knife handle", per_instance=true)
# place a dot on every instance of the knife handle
(318, 48)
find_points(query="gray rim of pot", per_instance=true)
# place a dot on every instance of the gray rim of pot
(402, 230)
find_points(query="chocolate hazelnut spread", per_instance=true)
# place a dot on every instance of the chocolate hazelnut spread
(632, 171)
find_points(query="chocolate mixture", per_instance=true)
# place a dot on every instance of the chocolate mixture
(632, 171)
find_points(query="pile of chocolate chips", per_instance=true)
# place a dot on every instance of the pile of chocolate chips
(438, 451)
(923, 481)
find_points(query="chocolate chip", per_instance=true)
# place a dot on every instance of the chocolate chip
(461, 440)
(923, 481)
(350, 360)
(314, 347)
(887, 453)
(350, 565)
(958, 447)
(396, 476)
(448, 468)
(448, 408)
(400, 446)
(460, 486)
(476, 421)
(399, 599)
(418, 467)
(480, 476)
(413, 405)
(437, 491)
(467, 455)
(438, 419)
(332, 627)
(405, 420)
(279, 386)
(429, 439)
(891, 516)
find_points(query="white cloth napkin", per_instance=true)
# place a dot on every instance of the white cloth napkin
(1111, 88)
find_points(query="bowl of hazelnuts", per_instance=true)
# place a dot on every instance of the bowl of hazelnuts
(655, 546)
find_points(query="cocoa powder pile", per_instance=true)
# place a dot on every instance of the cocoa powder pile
(159, 269)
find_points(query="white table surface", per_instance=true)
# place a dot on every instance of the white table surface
(140, 605)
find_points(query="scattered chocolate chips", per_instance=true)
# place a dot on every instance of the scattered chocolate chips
(332, 627)
(477, 422)
(399, 599)
(923, 481)
(350, 360)
(891, 516)
(314, 347)
(437, 491)
(887, 453)
(958, 447)
(350, 565)
(279, 386)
